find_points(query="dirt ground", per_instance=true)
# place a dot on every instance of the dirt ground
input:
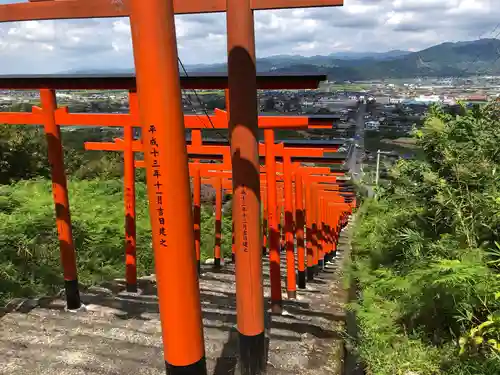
(119, 333)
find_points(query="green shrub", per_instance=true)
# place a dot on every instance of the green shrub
(208, 230)
(29, 247)
(426, 254)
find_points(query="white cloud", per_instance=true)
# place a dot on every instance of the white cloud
(361, 25)
(398, 18)
(417, 5)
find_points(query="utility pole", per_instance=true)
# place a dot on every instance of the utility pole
(378, 168)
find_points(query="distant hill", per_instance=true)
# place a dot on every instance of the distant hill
(459, 59)
(369, 55)
(271, 63)
(100, 71)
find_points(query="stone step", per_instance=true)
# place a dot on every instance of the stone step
(119, 333)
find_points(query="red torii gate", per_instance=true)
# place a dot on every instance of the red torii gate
(89, 119)
(61, 116)
(328, 236)
(155, 53)
(196, 123)
(329, 197)
(276, 280)
(226, 176)
(304, 182)
(54, 117)
(197, 150)
(271, 153)
(301, 173)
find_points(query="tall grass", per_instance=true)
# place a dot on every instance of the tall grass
(29, 248)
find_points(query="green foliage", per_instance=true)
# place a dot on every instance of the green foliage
(23, 153)
(427, 256)
(29, 255)
(29, 259)
(29, 247)
(208, 230)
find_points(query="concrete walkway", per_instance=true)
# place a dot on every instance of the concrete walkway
(120, 334)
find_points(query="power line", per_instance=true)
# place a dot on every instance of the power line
(491, 32)
(479, 54)
(200, 103)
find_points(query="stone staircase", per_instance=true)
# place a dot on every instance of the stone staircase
(119, 333)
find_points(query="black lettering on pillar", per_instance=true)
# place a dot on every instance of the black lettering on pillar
(244, 211)
(155, 153)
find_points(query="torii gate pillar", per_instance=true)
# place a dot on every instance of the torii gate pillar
(243, 130)
(169, 194)
(61, 200)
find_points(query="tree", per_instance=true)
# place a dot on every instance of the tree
(428, 253)
(23, 153)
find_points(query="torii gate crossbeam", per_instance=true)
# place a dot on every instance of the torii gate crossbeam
(47, 10)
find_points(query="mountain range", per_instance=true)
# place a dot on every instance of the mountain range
(277, 62)
(460, 59)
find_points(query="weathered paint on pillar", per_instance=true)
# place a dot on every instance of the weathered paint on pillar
(272, 212)
(299, 230)
(168, 185)
(264, 221)
(218, 221)
(328, 242)
(294, 209)
(329, 219)
(314, 218)
(197, 216)
(61, 200)
(233, 243)
(281, 220)
(291, 285)
(309, 233)
(336, 228)
(330, 227)
(129, 200)
(243, 129)
(321, 233)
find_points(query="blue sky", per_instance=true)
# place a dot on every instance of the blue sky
(361, 25)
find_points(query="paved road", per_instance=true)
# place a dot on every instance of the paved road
(355, 162)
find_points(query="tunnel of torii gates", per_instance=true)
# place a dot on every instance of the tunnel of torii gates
(217, 174)
(166, 159)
